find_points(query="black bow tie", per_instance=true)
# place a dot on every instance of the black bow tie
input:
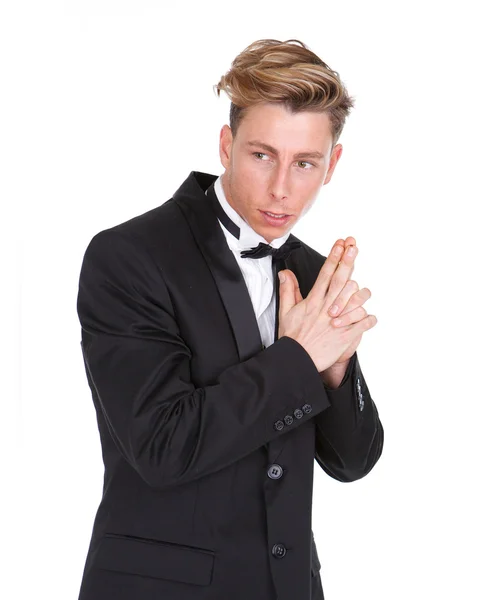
(265, 249)
(258, 251)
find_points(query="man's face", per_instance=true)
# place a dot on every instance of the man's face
(276, 163)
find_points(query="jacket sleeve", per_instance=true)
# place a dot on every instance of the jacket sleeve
(349, 435)
(137, 363)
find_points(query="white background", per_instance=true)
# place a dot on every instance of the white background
(106, 106)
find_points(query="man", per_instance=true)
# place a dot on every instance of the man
(215, 387)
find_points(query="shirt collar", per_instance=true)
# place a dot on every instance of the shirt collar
(248, 237)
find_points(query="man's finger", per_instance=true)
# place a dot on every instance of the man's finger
(361, 326)
(349, 298)
(286, 292)
(295, 283)
(353, 316)
(341, 275)
(320, 287)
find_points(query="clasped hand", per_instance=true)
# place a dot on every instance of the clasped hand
(332, 292)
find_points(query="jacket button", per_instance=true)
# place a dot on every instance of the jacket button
(278, 425)
(279, 550)
(274, 471)
(307, 408)
(360, 396)
(298, 413)
(288, 419)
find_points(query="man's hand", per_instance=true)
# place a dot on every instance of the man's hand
(349, 301)
(340, 292)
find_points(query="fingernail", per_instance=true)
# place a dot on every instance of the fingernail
(338, 250)
(334, 310)
(351, 251)
(337, 321)
(282, 277)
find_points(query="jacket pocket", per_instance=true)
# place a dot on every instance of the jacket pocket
(154, 558)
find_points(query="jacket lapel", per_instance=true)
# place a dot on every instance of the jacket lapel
(202, 220)
(213, 245)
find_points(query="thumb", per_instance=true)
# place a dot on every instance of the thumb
(286, 292)
(295, 285)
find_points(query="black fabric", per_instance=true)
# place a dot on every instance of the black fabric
(232, 227)
(262, 250)
(196, 420)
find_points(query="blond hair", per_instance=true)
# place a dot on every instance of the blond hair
(282, 72)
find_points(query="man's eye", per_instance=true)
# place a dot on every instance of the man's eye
(301, 162)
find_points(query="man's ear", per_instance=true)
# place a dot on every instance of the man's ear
(226, 140)
(334, 158)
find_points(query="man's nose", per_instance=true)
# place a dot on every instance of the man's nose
(279, 183)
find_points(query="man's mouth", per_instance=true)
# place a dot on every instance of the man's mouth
(275, 219)
(276, 215)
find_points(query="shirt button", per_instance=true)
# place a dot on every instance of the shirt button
(279, 550)
(288, 419)
(307, 408)
(298, 413)
(274, 471)
(278, 425)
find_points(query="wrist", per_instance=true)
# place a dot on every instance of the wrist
(333, 375)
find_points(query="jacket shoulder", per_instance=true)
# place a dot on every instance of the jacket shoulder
(152, 229)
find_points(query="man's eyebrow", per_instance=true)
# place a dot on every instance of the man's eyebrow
(310, 154)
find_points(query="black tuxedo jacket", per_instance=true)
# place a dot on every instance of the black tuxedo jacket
(208, 439)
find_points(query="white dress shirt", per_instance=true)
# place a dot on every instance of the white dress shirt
(257, 272)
